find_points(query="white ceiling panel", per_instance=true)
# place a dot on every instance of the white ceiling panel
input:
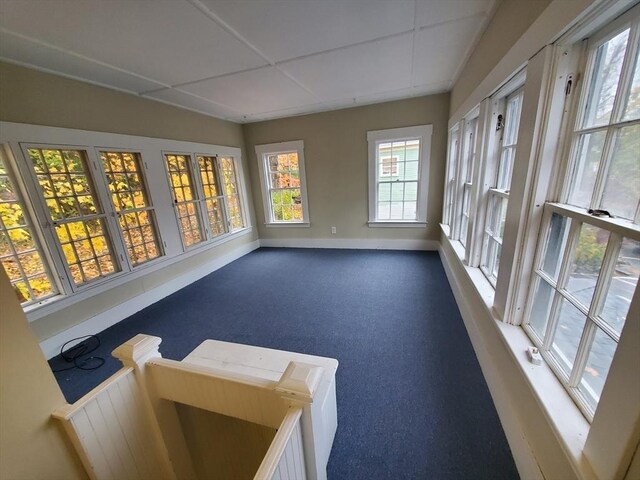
(169, 41)
(437, 65)
(176, 97)
(431, 12)
(18, 49)
(358, 70)
(286, 29)
(256, 91)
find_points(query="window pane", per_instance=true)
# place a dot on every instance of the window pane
(597, 367)
(555, 245)
(632, 105)
(588, 155)
(541, 306)
(571, 323)
(181, 181)
(623, 284)
(506, 166)
(586, 262)
(512, 120)
(603, 85)
(622, 187)
(230, 185)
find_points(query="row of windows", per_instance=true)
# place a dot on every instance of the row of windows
(89, 217)
(587, 262)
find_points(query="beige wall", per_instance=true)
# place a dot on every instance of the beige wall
(32, 446)
(511, 19)
(335, 146)
(29, 96)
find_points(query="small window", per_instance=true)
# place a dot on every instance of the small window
(283, 183)
(78, 217)
(130, 199)
(398, 175)
(20, 251)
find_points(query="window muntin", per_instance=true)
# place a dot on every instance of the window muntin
(212, 194)
(604, 159)
(73, 207)
(283, 186)
(20, 252)
(498, 196)
(130, 200)
(584, 279)
(184, 198)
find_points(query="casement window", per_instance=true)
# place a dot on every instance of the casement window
(588, 263)
(283, 181)
(498, 195)
(398, 175)
(21, 254)
(207, 203)
(74, 210)
(131, 202)
(466, 174)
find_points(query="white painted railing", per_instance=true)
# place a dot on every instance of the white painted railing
(129, 427)
(285, 458)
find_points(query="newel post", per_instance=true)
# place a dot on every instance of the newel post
(137, 351)
(297, 385)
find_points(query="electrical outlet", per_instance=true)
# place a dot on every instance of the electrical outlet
(333, 230)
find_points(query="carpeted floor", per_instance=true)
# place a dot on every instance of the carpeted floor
(412, 401)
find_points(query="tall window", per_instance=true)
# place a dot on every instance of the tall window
(450, 180)
(212, 194)
(587, 266)
(231, 192)
(130, 199)
(283, 183)
(466, 174)
(498, 195)
(20, 252)
(184, 198)
(73, 207)
(398, 173)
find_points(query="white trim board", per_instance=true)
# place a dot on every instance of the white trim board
(351, 243)
(51, 346)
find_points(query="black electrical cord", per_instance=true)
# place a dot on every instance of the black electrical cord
(82, 349)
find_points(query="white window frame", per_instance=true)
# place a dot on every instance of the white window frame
(468, 159)
(14, 135)
(262, 153)
(374, 138)
(453, 155)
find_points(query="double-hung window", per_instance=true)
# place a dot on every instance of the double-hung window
(498, 195)
(398, 175)
(205, 195)
(450, 180)
(284, 189)
(588, 257)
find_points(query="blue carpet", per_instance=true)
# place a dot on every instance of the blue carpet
(412, 401)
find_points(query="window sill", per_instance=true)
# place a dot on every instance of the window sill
(393, 224)
(562, 414)
(287, 224)
(59, 302)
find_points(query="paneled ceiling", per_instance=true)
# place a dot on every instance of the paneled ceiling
(249, 60)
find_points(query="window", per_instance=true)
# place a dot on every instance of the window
(466, 174)
(73, 207)
(398, 175)
(130, 199)
(184, 198)
(587, 267)
(20, 251)
(283, 183)
(498, 195)
(450, 180)
(207, 205)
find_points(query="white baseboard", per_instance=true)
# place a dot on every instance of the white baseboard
(350, 243)
(51, 346)
(521, 450)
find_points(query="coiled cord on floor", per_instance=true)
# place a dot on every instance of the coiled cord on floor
(76, 353)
